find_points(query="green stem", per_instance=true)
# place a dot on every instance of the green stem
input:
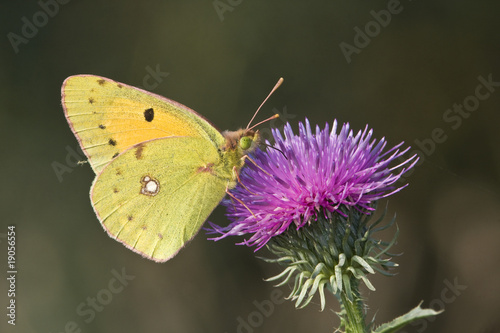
(354, 310)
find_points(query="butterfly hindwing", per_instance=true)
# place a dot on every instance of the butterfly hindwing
(155, 196)
(109, 117)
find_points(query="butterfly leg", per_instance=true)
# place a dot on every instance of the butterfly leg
(241, 202)
(255, 163)
(236, 175)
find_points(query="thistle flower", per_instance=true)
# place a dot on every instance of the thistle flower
(309, 175)
(310, 199)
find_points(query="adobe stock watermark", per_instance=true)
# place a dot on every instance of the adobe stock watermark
(30, 26)
(154, 78)
(263, 309)
(284, 117)
(222, 6)
(448, 295)
(372, 29)
(75, 156)
(454, 117)
(11, 273)
(87, 310)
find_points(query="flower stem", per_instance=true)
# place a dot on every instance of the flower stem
(354, 319)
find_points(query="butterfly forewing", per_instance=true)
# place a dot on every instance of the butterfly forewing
(109, 117)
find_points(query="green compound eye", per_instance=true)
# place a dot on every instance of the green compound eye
(245, 142)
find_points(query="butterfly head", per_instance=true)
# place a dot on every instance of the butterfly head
(243, 140)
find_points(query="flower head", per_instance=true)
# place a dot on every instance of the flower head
(308, 175)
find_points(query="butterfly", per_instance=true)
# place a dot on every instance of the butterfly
(161, 168)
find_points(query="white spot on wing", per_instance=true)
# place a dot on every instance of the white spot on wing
(150, 186)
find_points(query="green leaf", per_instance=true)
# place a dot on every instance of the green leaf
(401, 321)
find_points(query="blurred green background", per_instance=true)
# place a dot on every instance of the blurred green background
(222, 59)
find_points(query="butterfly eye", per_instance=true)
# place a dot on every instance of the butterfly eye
(245, 142)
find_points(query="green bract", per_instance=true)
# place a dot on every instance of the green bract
(331, 252)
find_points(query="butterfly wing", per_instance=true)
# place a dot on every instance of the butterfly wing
(155, 196)
(108, 117)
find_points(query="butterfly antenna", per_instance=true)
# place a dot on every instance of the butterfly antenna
(276, 86)
(263, 121)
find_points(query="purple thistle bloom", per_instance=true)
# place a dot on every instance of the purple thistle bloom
(311, 174)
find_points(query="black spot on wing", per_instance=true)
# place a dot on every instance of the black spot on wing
(101, 82)
(91, 100)
(116, 154)
(119, 85)
(102, 126)
(112, 142)
(149, 114)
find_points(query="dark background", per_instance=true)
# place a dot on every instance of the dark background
(426, 59)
